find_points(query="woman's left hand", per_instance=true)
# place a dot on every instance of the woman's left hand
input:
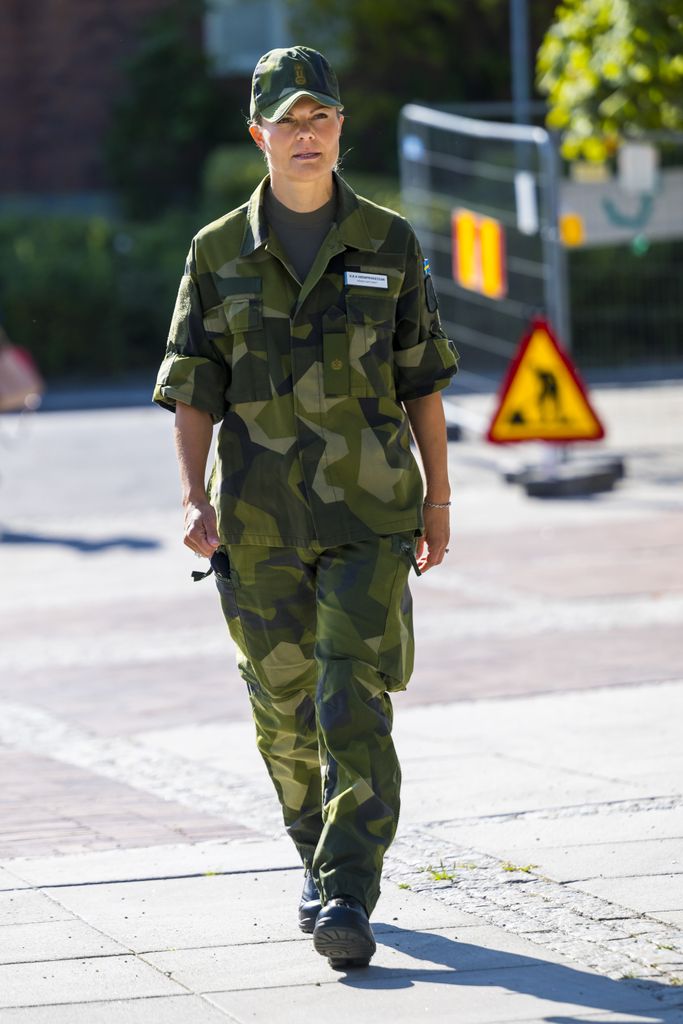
(437, 531)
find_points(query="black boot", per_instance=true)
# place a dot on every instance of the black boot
(343, 933)
(309, 904)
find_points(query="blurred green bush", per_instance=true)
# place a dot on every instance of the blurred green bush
(229, 176)
(90, 297)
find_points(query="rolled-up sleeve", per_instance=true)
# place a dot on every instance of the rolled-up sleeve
(424, 358)
(193, 371)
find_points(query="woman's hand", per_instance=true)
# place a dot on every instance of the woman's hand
(428, 424)
(193, 432)
(201, 531)
(433, 545)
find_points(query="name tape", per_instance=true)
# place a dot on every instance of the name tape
(366, 280)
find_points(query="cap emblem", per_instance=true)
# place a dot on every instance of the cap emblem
(299, 74)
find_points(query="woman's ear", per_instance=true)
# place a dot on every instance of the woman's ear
(256, 134)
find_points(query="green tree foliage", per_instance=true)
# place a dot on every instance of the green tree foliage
(168, 117)
(389, 53)
(612, 68)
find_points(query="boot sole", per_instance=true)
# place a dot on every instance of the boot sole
(343, 947)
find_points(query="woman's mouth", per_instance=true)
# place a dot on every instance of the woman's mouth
(306, 156)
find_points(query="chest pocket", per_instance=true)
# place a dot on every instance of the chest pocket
(237, 327)
(370, 324)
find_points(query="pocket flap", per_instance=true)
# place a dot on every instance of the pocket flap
(336, 376)
(242, 313)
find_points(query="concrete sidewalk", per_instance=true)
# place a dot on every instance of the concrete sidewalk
(538, 870)
(533, 879)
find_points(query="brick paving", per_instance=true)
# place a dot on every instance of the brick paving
(48, 807)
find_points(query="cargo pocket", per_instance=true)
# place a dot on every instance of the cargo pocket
(396, 654)
(226, 580)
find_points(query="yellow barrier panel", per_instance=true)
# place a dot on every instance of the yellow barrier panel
(479, 254)
(492, 254)
(465, 249)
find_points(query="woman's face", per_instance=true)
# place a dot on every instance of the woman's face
(304, 145)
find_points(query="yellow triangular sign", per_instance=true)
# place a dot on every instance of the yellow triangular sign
(542, 397)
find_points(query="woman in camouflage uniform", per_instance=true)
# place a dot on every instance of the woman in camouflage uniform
(307, 326)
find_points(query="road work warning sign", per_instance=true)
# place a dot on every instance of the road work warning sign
(542, 397)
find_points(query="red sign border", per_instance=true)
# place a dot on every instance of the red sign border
(540, 323)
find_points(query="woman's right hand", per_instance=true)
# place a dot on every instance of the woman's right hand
(201, 530)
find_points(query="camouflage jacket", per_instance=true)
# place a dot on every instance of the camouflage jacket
(307, 379)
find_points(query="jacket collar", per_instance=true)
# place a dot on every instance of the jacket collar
(351, 225)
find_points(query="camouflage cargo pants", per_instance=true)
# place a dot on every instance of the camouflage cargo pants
(322, 634)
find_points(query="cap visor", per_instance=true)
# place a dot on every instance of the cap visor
(277, 110)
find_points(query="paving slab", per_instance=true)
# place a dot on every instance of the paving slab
(231, 745)
(672, 916)
(674, 1016)
(540, 993)
(189, 911)
(475, 788)
(68, 981)
(235, 968)
(225, 910)
(26, 906)
(181, 1009)
(8, 880)
(662, 781)
(599, 860)
(580, 829)
(594, 720)
(648, 894)
(154, 862)
(53, 940)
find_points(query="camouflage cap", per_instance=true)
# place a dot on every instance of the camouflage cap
(283, 76)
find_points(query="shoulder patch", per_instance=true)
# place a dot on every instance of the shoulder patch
(430, 293)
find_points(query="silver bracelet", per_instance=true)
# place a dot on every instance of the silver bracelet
(436, 504)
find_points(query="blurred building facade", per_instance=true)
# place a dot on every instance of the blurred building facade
(60, 66)
(61, 69)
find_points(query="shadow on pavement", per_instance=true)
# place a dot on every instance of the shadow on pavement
(469, 964)
(87, 547)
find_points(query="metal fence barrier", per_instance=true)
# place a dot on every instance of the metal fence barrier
(486, 199)
(465, 177)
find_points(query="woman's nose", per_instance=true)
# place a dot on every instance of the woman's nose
(305, 128)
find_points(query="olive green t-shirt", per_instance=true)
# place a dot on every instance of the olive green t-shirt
(299, 234)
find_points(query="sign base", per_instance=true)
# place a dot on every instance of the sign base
(573, 478)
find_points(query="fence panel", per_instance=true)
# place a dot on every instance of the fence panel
(482, 197)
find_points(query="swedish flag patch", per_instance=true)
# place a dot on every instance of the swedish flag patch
(430, 294)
